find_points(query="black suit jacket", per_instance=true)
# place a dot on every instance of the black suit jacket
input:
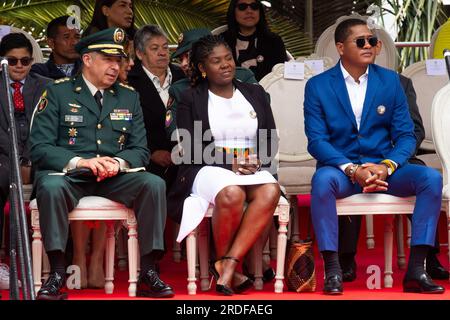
(32, 90)
(270, 46)
(419, 129)
(193, 107)
(153, 108)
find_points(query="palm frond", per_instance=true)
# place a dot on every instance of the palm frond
(175, 16)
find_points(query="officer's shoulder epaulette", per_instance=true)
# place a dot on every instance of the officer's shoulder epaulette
(126, 86)
(62, 80)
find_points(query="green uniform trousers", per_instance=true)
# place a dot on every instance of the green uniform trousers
(144, 192)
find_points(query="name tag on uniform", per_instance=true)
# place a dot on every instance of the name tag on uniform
(73, 118)
(121, 114)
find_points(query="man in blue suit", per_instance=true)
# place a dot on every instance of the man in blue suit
(360, 131)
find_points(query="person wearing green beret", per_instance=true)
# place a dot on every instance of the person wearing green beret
(185, 42)
(91, 128)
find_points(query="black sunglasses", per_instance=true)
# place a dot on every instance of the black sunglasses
(24, 61)
(243, 6)
(361, 42)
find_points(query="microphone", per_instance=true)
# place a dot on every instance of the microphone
(447, 60)
(3, 61)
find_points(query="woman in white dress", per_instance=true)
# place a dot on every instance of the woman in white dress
(229, 140)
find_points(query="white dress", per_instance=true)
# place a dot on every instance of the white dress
(233, 124)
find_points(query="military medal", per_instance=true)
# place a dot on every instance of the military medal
(73, 132)
(72, 141)
(260, 58)
(253, 114)
(121, 141)
(74, 110)
(381, 110)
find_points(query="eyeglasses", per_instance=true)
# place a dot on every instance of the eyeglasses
(24, 61)
(243, 6)
(361, 42)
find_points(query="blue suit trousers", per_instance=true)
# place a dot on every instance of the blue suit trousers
(330, 183)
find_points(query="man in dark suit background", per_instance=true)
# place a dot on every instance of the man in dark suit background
(152, 76)
(26, 89)
(64, 61)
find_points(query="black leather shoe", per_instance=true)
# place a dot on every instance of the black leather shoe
(150, 285)
(437, 273)
(51, 290)
(349, 273)
(333, 285)
(422, 284)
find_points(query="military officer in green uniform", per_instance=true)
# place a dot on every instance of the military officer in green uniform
(185, 42)
(92, 121)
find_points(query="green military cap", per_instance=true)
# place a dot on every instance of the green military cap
(109, 42)
(186, 39)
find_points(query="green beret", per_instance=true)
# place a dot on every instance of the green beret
(109, 42)
(186, 39)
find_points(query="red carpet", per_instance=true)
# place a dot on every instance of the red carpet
(176, 274)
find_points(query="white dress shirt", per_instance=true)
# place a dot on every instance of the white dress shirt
(356, 93)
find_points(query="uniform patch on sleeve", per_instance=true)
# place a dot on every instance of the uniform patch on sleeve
(43, 102)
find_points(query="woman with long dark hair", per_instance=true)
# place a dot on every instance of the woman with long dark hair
(253, 45)
(239, 119)
(110, 14)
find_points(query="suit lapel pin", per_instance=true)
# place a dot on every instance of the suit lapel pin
(381, 110)
(260, 58)
(253, 114)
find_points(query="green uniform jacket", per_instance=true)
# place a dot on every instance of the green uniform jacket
(175, 90)
(69, 123)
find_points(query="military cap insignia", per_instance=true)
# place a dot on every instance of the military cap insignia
(119, 36)
(126, 86)
(43, 102)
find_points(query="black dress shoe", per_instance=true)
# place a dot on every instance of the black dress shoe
(437, 273)
(349, 273)
(333, 285)
(150, 285)
(52, 288)
(422, 284)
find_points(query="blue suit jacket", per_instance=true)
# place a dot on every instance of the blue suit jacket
(330, 125)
